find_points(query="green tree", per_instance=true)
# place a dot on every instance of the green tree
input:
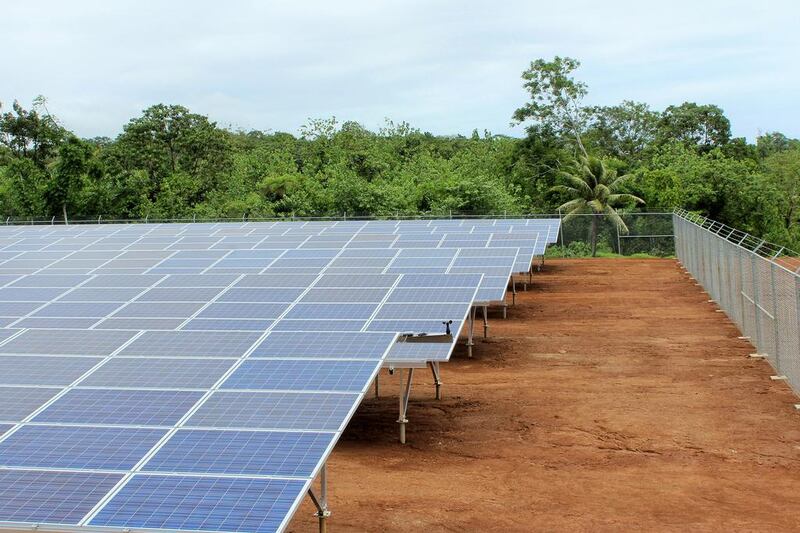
(782, 170)
(168, 140)
(68, 175)
(703, 127)
(31, 134)
(555, 99)
(596, 190)
(624, 131)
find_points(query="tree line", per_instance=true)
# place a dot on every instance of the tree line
(172, 163)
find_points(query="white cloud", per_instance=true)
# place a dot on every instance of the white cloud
(448, 66)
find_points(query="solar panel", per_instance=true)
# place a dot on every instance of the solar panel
(332, 345)
(37, 496)
(159, 373)
(16, 403)
(202, 503)
(301, 375)
(263, 453)
(43, 370)
(277, 374)
(274, 410)
(88, 448)
(120, 407)
(190, 344)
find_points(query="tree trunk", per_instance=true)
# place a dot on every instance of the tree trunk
(64, 211)
(594, 235)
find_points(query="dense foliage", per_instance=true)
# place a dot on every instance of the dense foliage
(172, 163)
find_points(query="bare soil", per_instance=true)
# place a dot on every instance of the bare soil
(613, 398)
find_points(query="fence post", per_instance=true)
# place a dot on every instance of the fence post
(619, 243)
(775, 318)
(756, 301)
(561, 227)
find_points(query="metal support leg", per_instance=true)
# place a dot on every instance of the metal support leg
(377, 384)
(505, 311)
(513, 294)
(405, 392)
(436, 378)
(321, 503)
(485, 321)
(470, 329)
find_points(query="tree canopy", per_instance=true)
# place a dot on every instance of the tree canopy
(170, 162)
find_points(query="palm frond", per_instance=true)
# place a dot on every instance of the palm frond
(596, 205)
(624, 197)
(611, 213)
(619, 181)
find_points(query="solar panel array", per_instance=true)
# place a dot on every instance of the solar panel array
(196, 377)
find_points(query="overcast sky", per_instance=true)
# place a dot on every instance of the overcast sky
(445, 66)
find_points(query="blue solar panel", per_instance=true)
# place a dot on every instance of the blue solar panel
(56, 322)
(29, 294)
(420, 352)
(159, 373)
(330, 345)
(413, 326)
(326, 311)
(241, 452)
(43, 370)
(243, 310)
(275, 410)
(227, 324)
(422, 311)
(319, 325)
(253, 294)
(159, 310)
(54, 497)
(351, 295)
(190, 344)
(302, 375)
(98, 448)
(16, 403)
(16, 309)
(77, 309)
(179, 294)
(121, 407)
(201, 503)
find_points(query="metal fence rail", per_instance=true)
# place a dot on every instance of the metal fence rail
(756, 283)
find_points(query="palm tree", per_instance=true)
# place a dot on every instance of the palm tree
(594, 189)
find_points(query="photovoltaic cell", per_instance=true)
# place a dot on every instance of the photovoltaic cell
(159, 373)
(243, 310)
(43, 370)
(328, 311)
(330, 345)
(163, 502)
(265, 453)
(319, 325)
(66, 342)
(121, 407)
(254, 294)
(77, 309)
(99, 448)
(16, 403)
(159, 310)
(422, 311)
(301, 375)
(226, 324)
(190, 344)
(53, 497)
(274, 410)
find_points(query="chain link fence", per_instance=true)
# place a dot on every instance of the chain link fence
(648, 233)
(755, 282)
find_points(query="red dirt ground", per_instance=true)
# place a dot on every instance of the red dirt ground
(614, 398)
